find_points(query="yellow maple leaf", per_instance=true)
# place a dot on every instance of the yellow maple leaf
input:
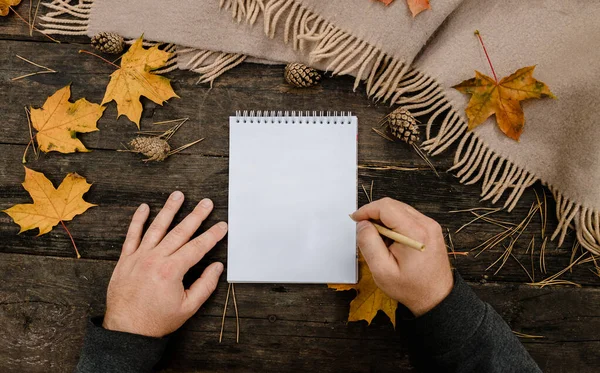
(502, 98)
(369, 298)
(135, 79)
(6, 4)
(50, 205)
(58, 121)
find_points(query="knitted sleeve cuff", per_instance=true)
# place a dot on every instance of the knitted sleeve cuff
(111, 351)
(451, 323)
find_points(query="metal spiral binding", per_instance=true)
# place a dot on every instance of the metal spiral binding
(296, 117)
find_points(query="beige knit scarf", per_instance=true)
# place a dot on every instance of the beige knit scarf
(412, 63)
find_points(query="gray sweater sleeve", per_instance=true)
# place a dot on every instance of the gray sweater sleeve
(464, 334)
(108, 351)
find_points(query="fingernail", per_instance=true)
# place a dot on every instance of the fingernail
(143, 207)
(218, 267)
(351, 216)
(222, 225)
(207, 203)
(362, 225)
(176, 196)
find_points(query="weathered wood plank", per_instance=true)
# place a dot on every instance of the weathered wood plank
(248, 87)
(121, 182)
(45, 303)
(12, 28)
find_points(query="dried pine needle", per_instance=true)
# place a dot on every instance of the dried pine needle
(522, 266)
(387, 168)
(543, 255)
(573, 252)
(451, 243)
(224, 313)
(528, 336)
(553, 280)
(182, 120)
(46, 70)
(383, 135)
(474, 209)
(477, 218)
(425, 158)
(237, 317)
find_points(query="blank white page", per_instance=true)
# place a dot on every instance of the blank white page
(292, 184)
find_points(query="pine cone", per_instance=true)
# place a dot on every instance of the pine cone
(108, 42)
(300, 75)
(155, 148)
(403, 125)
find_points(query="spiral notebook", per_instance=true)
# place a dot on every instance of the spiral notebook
(292, 184)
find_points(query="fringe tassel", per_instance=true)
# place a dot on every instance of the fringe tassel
(387, 79)
(392, 80)
(66, 19)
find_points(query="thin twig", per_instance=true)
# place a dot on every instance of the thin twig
(30, 25)
(100, 57)
(237, 317)
(224, 312)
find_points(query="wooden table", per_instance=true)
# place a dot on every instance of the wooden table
(46, 294)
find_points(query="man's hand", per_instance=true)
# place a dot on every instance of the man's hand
(146, 294)
(419, 280)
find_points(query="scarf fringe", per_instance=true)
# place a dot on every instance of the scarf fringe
(391, 80)
(66, 19)
(387, 79)
(210, 65)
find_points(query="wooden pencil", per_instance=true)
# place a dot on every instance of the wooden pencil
(400, 238)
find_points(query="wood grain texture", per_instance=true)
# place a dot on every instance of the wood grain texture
(45, 302)
(46, 295)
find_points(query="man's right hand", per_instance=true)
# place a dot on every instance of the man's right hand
(419, 280)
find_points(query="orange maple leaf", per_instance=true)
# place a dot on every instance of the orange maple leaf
(58, 121)
(369, 298)
(502, 98)
(50, 205)
(135, 79)
(6, 4)
(415, 6)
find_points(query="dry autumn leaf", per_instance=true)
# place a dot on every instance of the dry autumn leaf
(503, 98)
(6, 4)
(59, 120)
(415, 6)
(50, 205)
(369, 298)
(135, 79)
